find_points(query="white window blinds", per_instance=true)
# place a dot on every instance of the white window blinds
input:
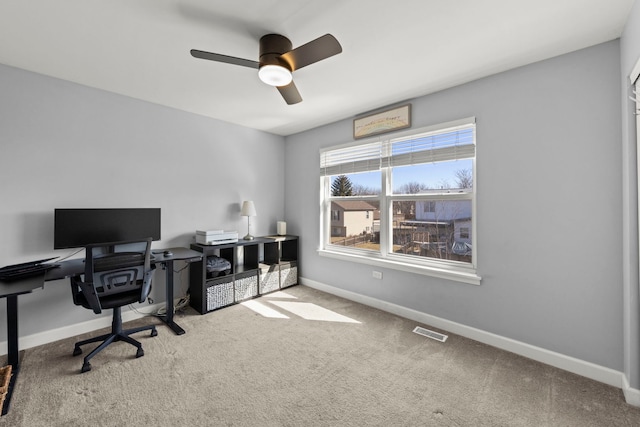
(445, 142)
(431, 147)
(356, 158)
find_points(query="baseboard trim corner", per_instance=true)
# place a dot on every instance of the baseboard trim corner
(580, 367)
(631, 395)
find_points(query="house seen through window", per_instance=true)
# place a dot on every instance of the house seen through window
(408, 198)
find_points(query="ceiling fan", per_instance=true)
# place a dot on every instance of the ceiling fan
(278, 60)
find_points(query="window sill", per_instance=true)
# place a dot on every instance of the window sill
(465, 276)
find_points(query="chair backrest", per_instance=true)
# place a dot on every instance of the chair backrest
(114, 275)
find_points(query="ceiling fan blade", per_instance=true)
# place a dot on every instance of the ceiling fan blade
(224, 58)
(314, 51)
(290, 93)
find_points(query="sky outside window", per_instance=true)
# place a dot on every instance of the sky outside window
(432, 175)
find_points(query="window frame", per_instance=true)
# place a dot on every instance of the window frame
(448, 269)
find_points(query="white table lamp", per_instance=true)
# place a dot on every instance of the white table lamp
(248, 210)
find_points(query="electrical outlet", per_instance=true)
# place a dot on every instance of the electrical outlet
(377, 274)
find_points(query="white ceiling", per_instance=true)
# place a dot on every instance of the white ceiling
(393, 50)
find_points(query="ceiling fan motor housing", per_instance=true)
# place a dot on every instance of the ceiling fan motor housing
(272, 46)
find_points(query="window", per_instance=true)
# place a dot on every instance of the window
(429, 206)
(407, 201)
(464, 232)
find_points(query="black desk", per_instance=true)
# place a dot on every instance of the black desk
(179, 254)
(10, 291)
(74, 267)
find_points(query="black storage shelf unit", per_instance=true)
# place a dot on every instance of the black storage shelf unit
(258, 266)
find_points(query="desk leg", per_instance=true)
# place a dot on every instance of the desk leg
(13, 354)
(168, 317)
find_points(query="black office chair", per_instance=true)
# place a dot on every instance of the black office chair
(115, 275)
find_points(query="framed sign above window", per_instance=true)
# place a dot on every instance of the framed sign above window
(385, 121)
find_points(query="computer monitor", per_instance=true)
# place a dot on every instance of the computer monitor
(76, 228)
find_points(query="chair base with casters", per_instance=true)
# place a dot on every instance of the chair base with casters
(117, 334)
(115, 275)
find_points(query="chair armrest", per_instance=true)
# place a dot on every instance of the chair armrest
(146, 284)
(88, 292)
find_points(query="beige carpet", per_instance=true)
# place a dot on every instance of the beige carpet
(324, 361)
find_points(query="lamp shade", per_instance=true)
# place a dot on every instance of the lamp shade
(248, 208)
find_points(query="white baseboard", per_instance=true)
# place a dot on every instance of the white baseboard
(586, 369)
(52, 335)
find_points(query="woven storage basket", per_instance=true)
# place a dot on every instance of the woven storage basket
(269, 278)
(219, 293)
(5, 377)
(245, 287)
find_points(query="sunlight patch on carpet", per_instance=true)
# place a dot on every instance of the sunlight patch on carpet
(310, 311)
(280, 294)
(262, 309)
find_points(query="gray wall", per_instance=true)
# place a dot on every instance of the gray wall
(549, 208)
(629, 55)
(66, 145)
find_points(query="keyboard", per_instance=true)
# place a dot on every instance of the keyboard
(26, 269)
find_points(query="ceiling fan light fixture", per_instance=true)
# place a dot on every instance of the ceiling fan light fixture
(275, 75)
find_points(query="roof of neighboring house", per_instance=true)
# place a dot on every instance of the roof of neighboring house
(354, 205)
